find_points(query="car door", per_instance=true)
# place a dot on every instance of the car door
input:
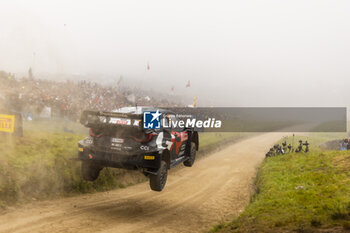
(180, 137)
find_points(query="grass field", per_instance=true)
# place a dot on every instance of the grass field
(299, 192)
(39, 166)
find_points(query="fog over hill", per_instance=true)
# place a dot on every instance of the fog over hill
(235, 53)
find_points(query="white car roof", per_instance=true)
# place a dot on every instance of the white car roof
(134, 110)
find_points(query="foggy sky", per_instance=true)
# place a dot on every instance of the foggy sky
(235, 53)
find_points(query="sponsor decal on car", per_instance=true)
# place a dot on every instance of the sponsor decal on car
(144, 147)
(116, 144)
(149, 157)
(119, 121)
(117, 140)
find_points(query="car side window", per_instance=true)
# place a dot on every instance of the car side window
(174, 119)
(166, 125)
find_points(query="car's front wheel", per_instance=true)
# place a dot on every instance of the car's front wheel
(90, 170)
(157, 182)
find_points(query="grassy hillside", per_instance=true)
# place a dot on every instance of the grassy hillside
(299, 192)
(39, 165)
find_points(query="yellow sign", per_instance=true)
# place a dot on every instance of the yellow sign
(7, 123)
(80, 149)
(149, 157)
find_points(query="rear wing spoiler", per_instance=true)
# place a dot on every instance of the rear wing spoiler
(98, 119)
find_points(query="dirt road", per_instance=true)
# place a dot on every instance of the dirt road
(215, 189)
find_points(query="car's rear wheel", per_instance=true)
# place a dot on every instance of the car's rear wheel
(157, 182)
(90, 170)
(192, 156)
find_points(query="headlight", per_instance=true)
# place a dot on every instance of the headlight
(102, 119)
(88, 140)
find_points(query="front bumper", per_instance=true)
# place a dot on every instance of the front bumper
(149, 160)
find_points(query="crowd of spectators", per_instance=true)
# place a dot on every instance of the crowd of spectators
(67, 99)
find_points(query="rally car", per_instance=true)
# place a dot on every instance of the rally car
(120, 139)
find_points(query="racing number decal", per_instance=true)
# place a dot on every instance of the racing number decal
(183, 137)
(164, 142)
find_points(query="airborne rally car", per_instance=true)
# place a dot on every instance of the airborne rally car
(133, 138)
